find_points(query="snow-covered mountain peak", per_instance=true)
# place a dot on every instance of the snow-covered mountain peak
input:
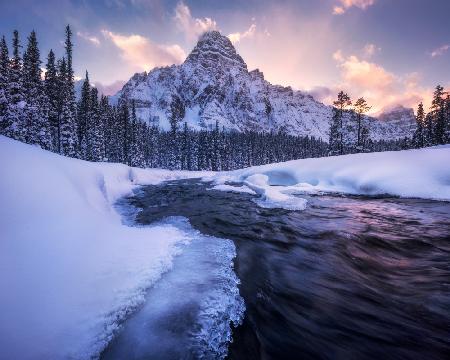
(215, 50)
(214, 85)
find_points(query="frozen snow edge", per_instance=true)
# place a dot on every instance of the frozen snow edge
(421, 173)
(73, 270)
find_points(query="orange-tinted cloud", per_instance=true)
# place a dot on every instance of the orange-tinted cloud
(142, 53)
(347, 4)
(380, 87)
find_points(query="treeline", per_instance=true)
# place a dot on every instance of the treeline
(433, 128)
(41, 109)
(350, 129)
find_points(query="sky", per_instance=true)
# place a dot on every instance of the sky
(392, 52)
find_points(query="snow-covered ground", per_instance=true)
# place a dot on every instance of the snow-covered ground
(421, 173)
(70, 271)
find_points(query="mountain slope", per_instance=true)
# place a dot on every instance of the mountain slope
(214, 84)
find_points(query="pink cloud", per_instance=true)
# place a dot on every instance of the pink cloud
(190, 26)
(142, 53)
(440, 50)
(380, 87)
(347, 4)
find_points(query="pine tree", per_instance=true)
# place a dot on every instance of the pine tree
(105, 113)
(124, 133)
(447, 117)
(360, 109)
(135, 149)
(177, 114)
(4, 78)
(428, 130)
(68, 112)
(336, 141)
(14, 119)
(67, 136)
(83, 115)
(419, 134)
(95, 138)
(52, 91)
(438, 116)
(36, 109)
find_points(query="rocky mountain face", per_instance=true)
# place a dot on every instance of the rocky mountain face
(214, 84)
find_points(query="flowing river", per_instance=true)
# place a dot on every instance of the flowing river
(350, 277)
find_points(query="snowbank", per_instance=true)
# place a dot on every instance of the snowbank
(69, 269)
(423, 173)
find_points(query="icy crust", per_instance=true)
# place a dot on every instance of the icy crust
(191, 311)
(236, 189)
(71, 271)
(222, 309)
(411, 173)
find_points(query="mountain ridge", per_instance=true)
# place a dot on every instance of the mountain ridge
(214, 84)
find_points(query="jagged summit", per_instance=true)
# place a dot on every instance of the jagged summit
(214, 49)
(214, 85)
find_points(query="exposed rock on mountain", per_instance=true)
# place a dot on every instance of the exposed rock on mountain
(214, 84)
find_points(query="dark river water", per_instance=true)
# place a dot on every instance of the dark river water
(347, 278)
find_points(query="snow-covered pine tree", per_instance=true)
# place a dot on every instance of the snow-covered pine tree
(95, 140)
(4, 76)
(336, 141)
(68, 139)
(419, 134)
(105, 113)
(360, 108)
(36, 109)
(438, 116)
(68, 110)
(447, 116)
(428, 130)
(215, 148)
(83, 119)
(177, 112)
(14, 118)
(52, 92)
(135, 147)
(123, 133)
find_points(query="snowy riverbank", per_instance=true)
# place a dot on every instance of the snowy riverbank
(423, 173)
(69, 269)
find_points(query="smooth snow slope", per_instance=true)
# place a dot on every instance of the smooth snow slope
(423, 173)
(69, 269)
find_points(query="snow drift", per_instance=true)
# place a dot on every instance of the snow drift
(70, 271)
(423, 173)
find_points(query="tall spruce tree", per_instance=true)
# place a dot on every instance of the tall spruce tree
(105, 114)
(4, 79)
(83, 115)
(419, 134)
(36, 109)
(68, 112)
(360, 108)
(95, 139)
(336, 141)
(14, 119)
(438, 116)
(52, 91)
